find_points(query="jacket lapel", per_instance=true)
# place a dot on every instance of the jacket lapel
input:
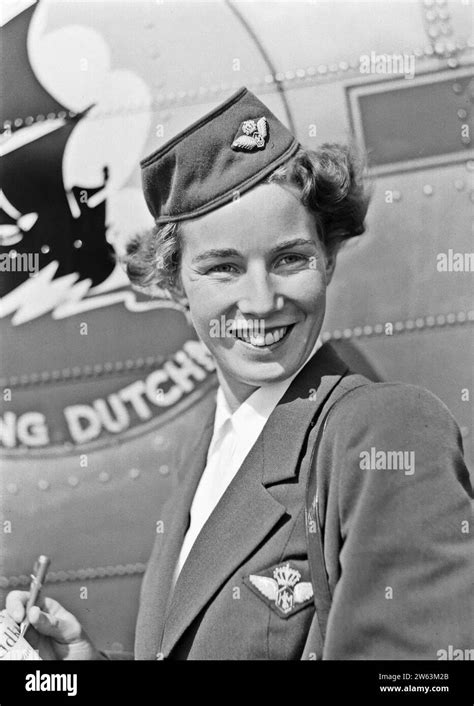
(157, 584)
(247, 512)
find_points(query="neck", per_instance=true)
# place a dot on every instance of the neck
(235, 392)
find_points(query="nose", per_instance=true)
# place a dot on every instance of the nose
(259, 298)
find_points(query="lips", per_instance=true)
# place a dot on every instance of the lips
(263, 340)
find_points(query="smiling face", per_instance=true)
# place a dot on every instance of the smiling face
(255, 276)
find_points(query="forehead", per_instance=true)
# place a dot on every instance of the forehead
(259, 218)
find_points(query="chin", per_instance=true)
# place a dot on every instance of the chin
(258, 374)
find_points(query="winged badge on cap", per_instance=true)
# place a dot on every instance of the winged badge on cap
(254, 135)
(285, 588)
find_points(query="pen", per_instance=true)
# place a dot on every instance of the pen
(37, 580)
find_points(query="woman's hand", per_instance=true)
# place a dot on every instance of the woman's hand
(53, 631)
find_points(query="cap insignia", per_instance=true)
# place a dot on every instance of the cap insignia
(251, 135)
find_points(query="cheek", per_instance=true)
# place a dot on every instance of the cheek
(308, 290)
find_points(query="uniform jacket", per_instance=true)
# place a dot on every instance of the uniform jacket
(397, 544)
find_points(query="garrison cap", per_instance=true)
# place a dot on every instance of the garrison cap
(228, 151)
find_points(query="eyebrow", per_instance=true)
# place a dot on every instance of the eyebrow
(232, 252)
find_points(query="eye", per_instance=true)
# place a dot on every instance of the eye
(225, 268)
(292, 259)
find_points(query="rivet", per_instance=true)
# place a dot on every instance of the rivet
(269, 78)
(311, 70)
(39, 117)
(134, 473)
(43, 484)
(18, 122)
(409, 325)
(336, 334)
(77, 244)
(73, 481)
(453, 63)
(62, 114)
(51, 116)
(150, 360)
(289, 75)
(433, 32)
(399, 326)
(66, 373)
(358, 331)
(301, 73)
(104, 476)
(158, 441)
(326, 336)
(279, 76)
(56, 374)
(108, 366)
(12, 488)
(462, 113)
(368, 330)
(465, 139)
(430, 320)
(164, 470)
(129, 364)
(459, 184)
(396, 196)
(440, 320)
(322, 69)
(427, 189)
(76, 371)
(45, 249)
(457, 88)
(97, 368)
(420, 323)
(347, 333)
(29, 120)
(451, 318)
(87, 369)
(378, 328)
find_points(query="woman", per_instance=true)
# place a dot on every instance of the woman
(248, 226)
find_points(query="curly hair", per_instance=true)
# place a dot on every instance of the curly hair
(331, 186)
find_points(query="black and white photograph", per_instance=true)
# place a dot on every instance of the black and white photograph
(236, 348)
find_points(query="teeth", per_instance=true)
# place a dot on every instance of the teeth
(269, 339)
(261, 340)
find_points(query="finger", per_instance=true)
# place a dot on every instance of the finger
(16, 602)
(51, 625)
(15, 605)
